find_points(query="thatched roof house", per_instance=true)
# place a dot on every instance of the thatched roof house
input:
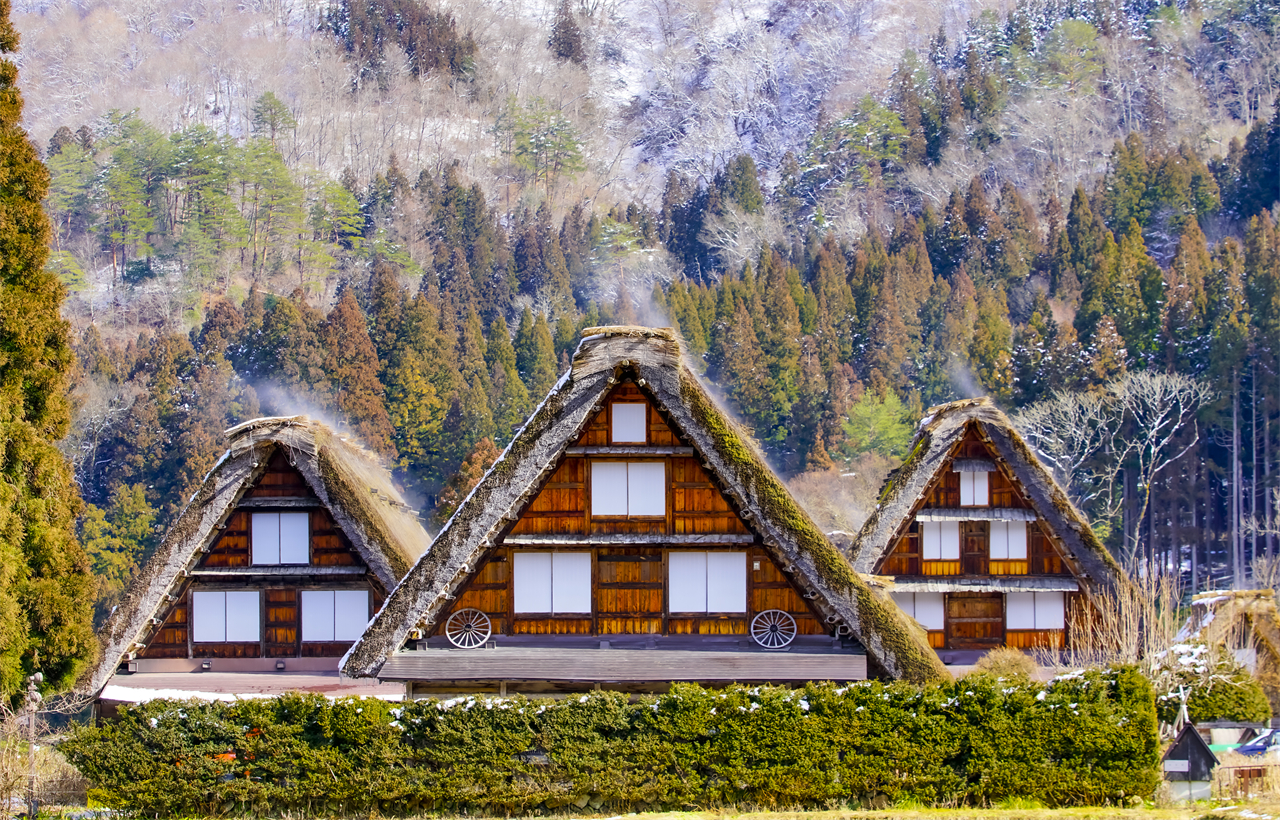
(631, 512)
(291, 541)
(1246, 623)
(984, 547)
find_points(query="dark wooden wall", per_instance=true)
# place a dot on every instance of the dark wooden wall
(281, 596)
(629, 594)
(629, 581)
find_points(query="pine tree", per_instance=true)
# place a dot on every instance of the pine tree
(420, 379)
(566, 37)
(473, 468)
(352, 366)
(990, 349)
(543, 365)
(45, 582)
(510, 399)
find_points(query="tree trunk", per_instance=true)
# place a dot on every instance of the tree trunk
(1237, 551)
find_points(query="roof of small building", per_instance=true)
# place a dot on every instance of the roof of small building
(347, 479)
(652, 357)
(931, 453)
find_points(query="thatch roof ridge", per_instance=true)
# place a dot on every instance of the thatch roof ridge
(653, 358)
(347, 479)
(941, 427)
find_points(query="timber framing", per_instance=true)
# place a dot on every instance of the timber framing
(342, 482)
(1061, 554)
(526, 500)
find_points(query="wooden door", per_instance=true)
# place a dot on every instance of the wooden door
(975, 547)
(975, 620)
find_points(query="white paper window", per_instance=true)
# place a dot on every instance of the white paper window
(334, 615)
(608, 488)
(973, 489)
(295, 538)
(706, 581)
(571, 582)
(638, 488)
(925, 607)
(265, 533)
(317, 615)
(1051, 610)
(647, 488)
(209, 617)
(940, 540)
(629, 423)
(1035, 610)
(687, 582)
(1020, 610)
(1008, 540)
(726, 582)
(281, 538)
(532, 579)
(219, 617)
(555, 582)
(929, 610)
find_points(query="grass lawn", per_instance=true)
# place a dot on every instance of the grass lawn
(1268, 809)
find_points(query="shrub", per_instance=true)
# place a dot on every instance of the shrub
(1083, 739)
(1006, 662)
(1216, 687)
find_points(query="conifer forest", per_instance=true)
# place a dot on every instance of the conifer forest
(399, 215)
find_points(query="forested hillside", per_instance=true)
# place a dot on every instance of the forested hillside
(399, 215)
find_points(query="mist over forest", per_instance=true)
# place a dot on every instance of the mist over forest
(400, 215)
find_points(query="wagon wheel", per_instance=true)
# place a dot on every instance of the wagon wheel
(773, 629)
(469, 628)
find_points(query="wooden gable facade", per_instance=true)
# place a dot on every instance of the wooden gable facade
(982, 547)
(626, 556)
(630, 514)
(277, 563)
(293, 597)
(997, 535)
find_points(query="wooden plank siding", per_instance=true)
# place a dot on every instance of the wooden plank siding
(976, 620)
(280, 599)
(629, 582)
(280, 480)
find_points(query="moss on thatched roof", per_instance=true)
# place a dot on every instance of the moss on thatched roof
(348, 480)
(652, 357)
(931, 452)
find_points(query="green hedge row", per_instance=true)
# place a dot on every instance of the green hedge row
(1085, 739)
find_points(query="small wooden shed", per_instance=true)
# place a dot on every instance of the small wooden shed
(1189, 765)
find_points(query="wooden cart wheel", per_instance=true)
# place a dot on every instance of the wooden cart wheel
(469, 628)
(773, 629)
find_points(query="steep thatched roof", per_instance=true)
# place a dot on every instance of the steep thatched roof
(348, 481)
(1241, 619)
(652, 357)
(931, 452)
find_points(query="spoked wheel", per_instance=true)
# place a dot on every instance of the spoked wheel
(773, 629)
(469, 628)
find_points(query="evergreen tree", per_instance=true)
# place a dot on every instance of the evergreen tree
(543, 365)
(990, 349)
(118, 540)
(566, 37)
(473, 468)
(45, 582)
(352, 366)
(510, 399)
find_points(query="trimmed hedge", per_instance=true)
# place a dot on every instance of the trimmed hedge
(1090, 738)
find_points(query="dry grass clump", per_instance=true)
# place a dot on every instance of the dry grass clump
(58, 783)
(1006, 662)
